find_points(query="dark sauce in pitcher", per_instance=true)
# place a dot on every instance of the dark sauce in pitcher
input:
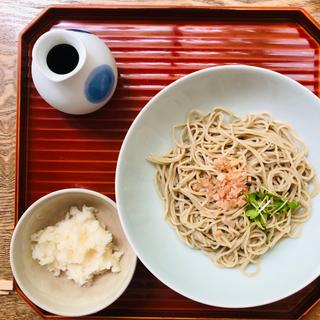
(62, 58)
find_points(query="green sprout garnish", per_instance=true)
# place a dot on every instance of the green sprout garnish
(263, 204)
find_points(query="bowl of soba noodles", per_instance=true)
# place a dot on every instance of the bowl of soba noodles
(217, 186)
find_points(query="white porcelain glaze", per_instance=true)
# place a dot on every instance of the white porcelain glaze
(67, 92)
(288, 267)
(60, 295)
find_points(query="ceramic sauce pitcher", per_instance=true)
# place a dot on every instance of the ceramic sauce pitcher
(73, 71)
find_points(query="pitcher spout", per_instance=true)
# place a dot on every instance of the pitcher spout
(59, 55)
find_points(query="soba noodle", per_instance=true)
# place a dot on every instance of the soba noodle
(265, 154)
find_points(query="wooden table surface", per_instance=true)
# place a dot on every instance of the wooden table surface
(14, 15)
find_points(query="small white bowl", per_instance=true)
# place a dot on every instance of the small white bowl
(59, 295)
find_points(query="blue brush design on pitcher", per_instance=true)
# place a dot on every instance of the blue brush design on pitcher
(99, 84)
(79, 30)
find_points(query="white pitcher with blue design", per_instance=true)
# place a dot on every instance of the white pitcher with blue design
(73, 71)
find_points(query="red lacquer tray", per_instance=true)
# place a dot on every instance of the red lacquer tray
(152, 48)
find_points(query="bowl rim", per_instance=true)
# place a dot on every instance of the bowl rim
(139, 253)
(27, 212)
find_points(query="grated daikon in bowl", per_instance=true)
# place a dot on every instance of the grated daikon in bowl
(79, 246)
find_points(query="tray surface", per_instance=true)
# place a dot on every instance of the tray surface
(152, 48)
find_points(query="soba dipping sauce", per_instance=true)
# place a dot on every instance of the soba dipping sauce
(62, 58)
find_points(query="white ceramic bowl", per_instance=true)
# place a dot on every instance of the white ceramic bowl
(59, 295)
(289, 266)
